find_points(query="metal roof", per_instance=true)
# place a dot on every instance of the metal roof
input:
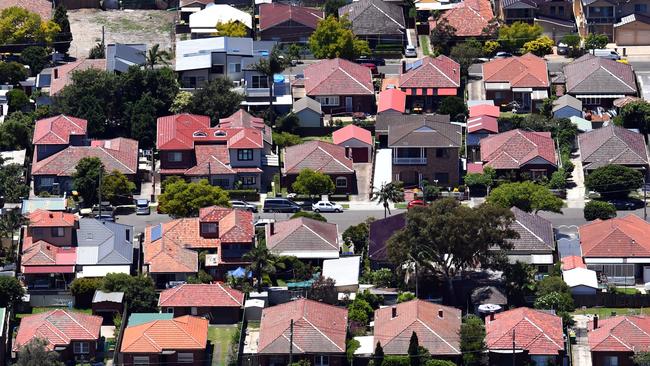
(101, 296)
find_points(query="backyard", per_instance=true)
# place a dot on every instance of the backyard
(608, 312)
(220, 337)
(39, 310)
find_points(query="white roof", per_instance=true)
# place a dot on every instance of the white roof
(101, 296)
(219, 13)
(195, 54)
(345, 270)
(580, 277)
(102, 271)
(366, 345)
(14, 157)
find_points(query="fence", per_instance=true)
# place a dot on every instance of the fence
(612, 300)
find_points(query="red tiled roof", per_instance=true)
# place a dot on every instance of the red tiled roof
(319, 156)
(303, 234)
(65, 72)
(439, 335)
(119, 154)
(439, 72)
(41, 253)
(392, 99)
(58, 327)
(57, 130)
(201, 295)
(178, 334)
(43, 218)
(527, 71)
(571, 262)
(351, 132)
(474, 168)
(627, 236)
(620, 334)
(41, 7)
(537, 332)
(482, 122)
(247, 138)
(176, 132)
(275, 13)
(469, 17)
(514, 149)
(484, 109)
(318, 328)
(338, 77)
(242, 119)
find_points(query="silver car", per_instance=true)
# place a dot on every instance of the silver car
(326, 206)
(410, 51)
(244, 205)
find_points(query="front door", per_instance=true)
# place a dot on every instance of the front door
(348, 104)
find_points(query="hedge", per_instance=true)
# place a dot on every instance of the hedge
(244, 195)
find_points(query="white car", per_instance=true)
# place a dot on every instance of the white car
(325, 206)
(410, 51)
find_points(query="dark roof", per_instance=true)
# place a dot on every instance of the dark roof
(424, 134)
(303, 235)
(488, 295)
(596, 75)
(119, 57)
(612, 145)
(273, 14)
(567, 101)
(535, 232)
(372, 17)
(104, 243)
(386, 120)
(380, 231)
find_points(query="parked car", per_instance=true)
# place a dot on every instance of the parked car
(106, 210)
(562, 48)
(410, 51)
(606, 53)
(244, 205)
(626, 204)
(280, 205)
(415, 203)
(142, 207)
(372, 60)
(503, 54)
(326, 206)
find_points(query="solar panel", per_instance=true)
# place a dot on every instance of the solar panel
(156, 232)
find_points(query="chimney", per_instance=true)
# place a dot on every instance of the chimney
(441, 314)
(403, 67)
(51, 215)
(56, 73)
(595, 322)
(491, 317)
(393, 312)
(272, 228)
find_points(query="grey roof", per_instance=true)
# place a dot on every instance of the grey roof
(612, 145)
(44, 203)
(380, 231)
(489, 295)
(303, 235)
(119, 57)
(103, 242)
(390, 119)
(44, 78)
(569, 247)
(307, 103)
(101, 296)
(567, 101)
(535, 233)
(424, 134)
(371, 17)
(596, 75)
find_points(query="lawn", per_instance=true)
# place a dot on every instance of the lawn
(627, 291)
(607, 312)
(44, 309)
(220, 337)
(327, 138)
(424, 43)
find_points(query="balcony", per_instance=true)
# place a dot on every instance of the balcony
(410, 161)
(257, 92)
(600, 20)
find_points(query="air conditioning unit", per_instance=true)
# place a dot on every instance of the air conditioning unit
(237, 83)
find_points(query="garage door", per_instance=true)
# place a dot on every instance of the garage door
(632, 37)
(360, 154)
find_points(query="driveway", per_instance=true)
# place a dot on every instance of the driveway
(580, 351)
(575, 196)
(363, 172)
(383, 167)
(644, 83)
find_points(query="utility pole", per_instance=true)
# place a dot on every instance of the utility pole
(645, 195)
(99, 192)
(514, 361)
(291, 342)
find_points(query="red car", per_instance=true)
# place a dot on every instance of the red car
(415, 203)
(372, 67)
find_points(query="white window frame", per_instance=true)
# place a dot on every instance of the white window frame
(340, 179)
(328, 100)
(185, 358)
(140, 360)
(81, 348)
(175, 157)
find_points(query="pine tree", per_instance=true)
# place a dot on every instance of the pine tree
(414, 347)
(64, 38)
(379, 354)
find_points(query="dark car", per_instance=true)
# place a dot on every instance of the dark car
(372, 67)
(371, 60)
(626, 204)
(280, 205)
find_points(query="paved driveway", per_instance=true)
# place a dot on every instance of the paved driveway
(575, 195)
(363, 171)
(644, 83)
(580, 351)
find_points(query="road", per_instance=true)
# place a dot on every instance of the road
(575, 216)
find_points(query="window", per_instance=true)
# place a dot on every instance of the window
(193, 310)
(128, 235)
(199, 134)
(140, 360)
(216, 69)
(224, 183)
(640, 8)
(321, 360)
(537, 174)
(442, 153)
(259, 81)
(170, 310)
(442, 178)
(58, 232)
(553, 10)
(185, 358)
(341, 182)
(47, 181)
(245, 154)
(610, 361)
(81, 348)
(175, 157)
(248, 180)
(220, 133)
(209, 227)
(234, 67)
(560, 11)
(328, 101)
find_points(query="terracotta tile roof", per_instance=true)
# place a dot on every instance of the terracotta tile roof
(620, 334)
(58, 327)
(392, 99)
(612, 145)
(57, 130)
(247, 138)
(380, 231)
(482, 123)
(178, 334)
(243, 119)
(484, 109)
(535, 233)
(515, 148)
(319, 156)
(65, 72)
(627, 236)
(571, 262)
(349, 132)
(41, 253)
(622, 102)
(439, 72)
(273, 14)
(210, 159)
(41, 7)
(119, 154)
(469, 17)
(43, 218)
(527, 71)
(338, 77)
(318, 328)
(176, 132)
(537, 332)
(439, 335)
(596, 75)
(303, 235)
(201, 295)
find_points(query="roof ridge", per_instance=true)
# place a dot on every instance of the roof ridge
(437, 335)
(323, 334)
(353, 78)
(315, 233)
(388, 16)
(332, 156)
(530, 231)
(616, 77)
(228, 293)
(79, 324)
(542, 332)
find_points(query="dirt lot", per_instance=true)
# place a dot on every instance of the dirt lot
(128, 26)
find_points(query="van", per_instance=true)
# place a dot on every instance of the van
(142, 207)
(606, 53)
(280, 205)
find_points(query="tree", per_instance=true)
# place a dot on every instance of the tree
(12, 186)
(309, 215)
(63, 39)
(465, 53)
(334, 38)
(269, 67)
(263, 262)
(485, 179)
(182, 199)
(378, 355)
(323, 289)
(285, 139)
(446, 238)
(596, 41)
(10, 222)
(360, 311)
(404, 297)
(139, 291)
(331, 7)
(513, 37)
(472, 341)
(16, 132)
(441, 36)
(18, 25)
(573, 43)
(519, 280)
(232, 28)
(453, 106)
(182, 102)
(11, 292)
(216, 99)
(614, 180)
(296, 50)
(351, 346)
(157, 56)
(117, 188)
(288, 123)
(560, 302)
(83, 289)
(143, 120)
(389, 192)
(12, 73)
(641, 358)
(18, 100)
(313, 183)
(439, 363)
(636, 115)
(599, 210)
(35, 57)
(490, 47)
(35, 353)
(527, 196)
(86, 179)
(356, 236)
(413, 349)
(97, 52)
(540, 46)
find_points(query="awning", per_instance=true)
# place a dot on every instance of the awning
(47, 269)
(497, 86)
(522, 90)
(600, 96)
(539, 94)
(101, 271)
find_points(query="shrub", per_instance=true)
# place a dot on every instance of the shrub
(244, 195)
(599, 210)
(396, 361)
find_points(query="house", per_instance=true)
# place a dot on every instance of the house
(536, 242)
(481, 123)
(603, 16)
(617, 249)
(303, 238)
(309, 112)
(597, 81)
(189, 7)
(103, 247)
(427, 81)
(322, 157)
(376, 21)
(356, 141)
(340, 86)
(54, 134)
(469, 18)
(614, 340)
(379, 232)
(255, 85)
(425, 150)
(107, 305)
(203, 23)
(437, 327)
(567, 106)
(554, 16)
(612, 145)
(175, 341)
(237, 150)
(486, 297)
(535, 335)
(41, 7)
(171, 248)
(391, 100)
(520, 152)
(632, 29)
(345, 273)
(216, 302)
(385, 120)
(119, 57)
(73, 335)
(287, 23)
(319, 337)
(61, 76)
(519, 83)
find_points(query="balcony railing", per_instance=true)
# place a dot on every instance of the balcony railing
(257, 92)
(410, 161)
(600, 20)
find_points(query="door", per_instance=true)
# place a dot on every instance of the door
(348, 104)
(359, 154)
(646, 274)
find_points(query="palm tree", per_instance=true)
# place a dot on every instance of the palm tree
(262, 262)
(274, 64)
(390, 192)
(10, 222)
(155, 56)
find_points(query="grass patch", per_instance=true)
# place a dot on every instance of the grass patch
(626, 291)
(607, 312)
(345, 205)
(318, 138)
(424, 43)
(400, 205)
(39, 310)
(280, 282)
(220, 337)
